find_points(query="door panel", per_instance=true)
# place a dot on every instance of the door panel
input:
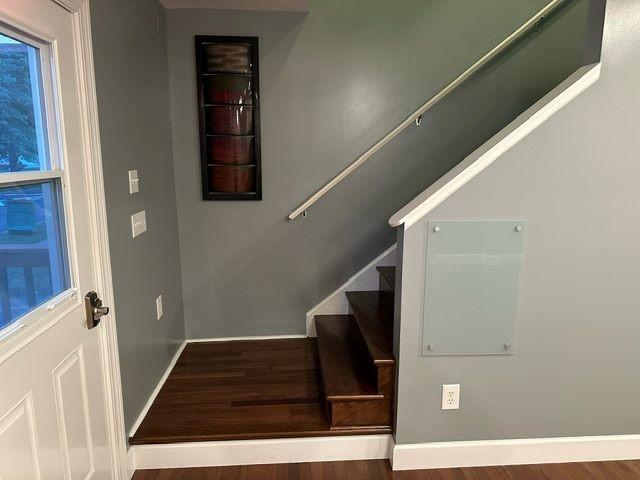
(72, 407)
(18, 442)
(52, 395)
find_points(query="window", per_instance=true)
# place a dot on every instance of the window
(33, 256)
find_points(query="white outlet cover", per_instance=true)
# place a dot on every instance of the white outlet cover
(451, 397)
(138, 223)
(134, 182)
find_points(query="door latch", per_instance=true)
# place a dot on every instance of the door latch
(94, 309)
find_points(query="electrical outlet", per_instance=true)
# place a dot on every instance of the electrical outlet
(451, 397)
(159, 307)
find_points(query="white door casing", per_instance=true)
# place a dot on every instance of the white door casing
(60, 398)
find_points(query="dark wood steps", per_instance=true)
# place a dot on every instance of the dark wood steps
(356, 358)
(344, 372)
(373, 312)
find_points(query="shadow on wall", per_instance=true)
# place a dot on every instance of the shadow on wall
(333, 83)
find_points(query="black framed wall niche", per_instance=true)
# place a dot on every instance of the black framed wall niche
(229, 113)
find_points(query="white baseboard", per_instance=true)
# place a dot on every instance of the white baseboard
(235, 339)
(156, 390)
(365, 279)
(515, 452)
(376, 447)
(251, 452)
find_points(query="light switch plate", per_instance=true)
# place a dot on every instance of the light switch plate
(138, 223)
(134, 182)
(159, 311)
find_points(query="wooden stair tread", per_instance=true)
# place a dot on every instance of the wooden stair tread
(373, 312)
(389, 274)
(344, 374)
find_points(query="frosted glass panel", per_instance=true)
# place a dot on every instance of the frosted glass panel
(472, 286)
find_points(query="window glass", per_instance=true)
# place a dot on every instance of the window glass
(23, 145)
(33, 266)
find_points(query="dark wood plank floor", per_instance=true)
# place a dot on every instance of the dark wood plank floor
(240, 390)
(380, 470)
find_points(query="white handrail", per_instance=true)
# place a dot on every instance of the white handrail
(497, 50)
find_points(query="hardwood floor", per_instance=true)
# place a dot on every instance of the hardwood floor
(240, 390)
(380, 470)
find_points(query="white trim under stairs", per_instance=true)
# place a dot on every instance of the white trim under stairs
(365, 279)
(503, 141)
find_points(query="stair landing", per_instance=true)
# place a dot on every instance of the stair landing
(242, 390)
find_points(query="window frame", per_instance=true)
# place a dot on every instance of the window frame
(50, 311)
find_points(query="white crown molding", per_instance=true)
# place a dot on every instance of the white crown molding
(515, 452)
(488, 153)
(256, 5)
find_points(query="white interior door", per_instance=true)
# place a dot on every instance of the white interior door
(53, 413)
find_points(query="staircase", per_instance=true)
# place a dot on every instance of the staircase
(356, 359)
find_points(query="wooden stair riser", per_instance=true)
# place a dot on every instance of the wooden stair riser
(382, 375)
(360, 413)
(383, 284)
(386, 279)
(386, 380)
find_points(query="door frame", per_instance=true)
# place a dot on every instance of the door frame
(92, 163)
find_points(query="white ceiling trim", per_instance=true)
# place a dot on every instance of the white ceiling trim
(256, 5)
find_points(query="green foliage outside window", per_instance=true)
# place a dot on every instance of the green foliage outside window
(18, 139)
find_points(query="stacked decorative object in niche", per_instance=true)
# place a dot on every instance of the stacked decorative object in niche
(228, 101)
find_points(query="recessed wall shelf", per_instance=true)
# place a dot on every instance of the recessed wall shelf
(229, 114)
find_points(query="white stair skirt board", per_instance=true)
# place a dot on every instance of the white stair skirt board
(252, 452)
(515, 452)
(365, 279)
(504, 140)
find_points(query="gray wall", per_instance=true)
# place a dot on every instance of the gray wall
(334, 82)
(575, 180)
(133, 103)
